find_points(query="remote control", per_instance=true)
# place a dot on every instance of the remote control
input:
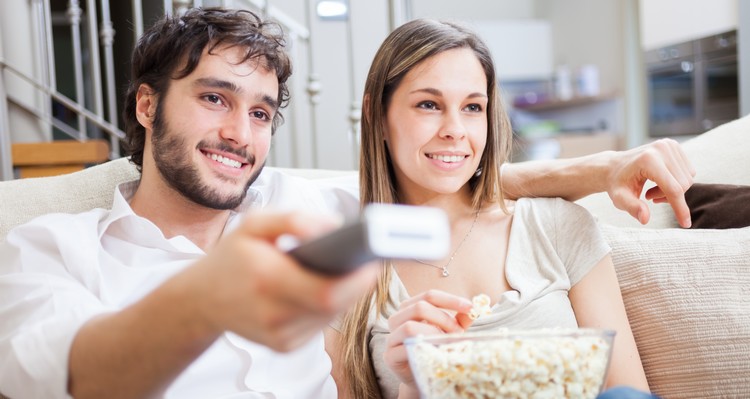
(384, 231)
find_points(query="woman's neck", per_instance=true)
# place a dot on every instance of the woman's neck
(457, 205)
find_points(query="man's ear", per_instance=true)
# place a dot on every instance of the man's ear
(145, 106)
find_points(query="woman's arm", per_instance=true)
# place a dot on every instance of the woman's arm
(333, 347)
(597, 303)
(622, 174)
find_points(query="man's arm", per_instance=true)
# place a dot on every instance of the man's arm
(622, 174)
(244, 285)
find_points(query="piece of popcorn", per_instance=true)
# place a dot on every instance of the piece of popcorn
(480, 306)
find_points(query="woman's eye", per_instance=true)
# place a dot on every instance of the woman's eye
(427, 105)
(474, 108)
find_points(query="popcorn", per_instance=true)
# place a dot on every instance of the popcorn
(527, 364)
(480, 306)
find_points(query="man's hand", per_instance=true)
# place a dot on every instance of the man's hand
(244, 284)
(662, 162)
(259, 292)
(622, 174)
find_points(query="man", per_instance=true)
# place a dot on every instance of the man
(172, 292)
(201, 111)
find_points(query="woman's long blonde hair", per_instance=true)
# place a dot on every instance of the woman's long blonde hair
(402, 50)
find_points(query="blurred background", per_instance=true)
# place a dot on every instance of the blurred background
(577, 76)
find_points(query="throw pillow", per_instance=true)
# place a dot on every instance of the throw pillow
(687, 295)
(718, 206)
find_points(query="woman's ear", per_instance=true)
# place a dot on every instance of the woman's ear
(145, 106)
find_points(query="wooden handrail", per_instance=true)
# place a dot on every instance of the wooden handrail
(57, 157)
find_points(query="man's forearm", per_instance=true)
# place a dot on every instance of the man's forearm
(571, 179)
(140, 350)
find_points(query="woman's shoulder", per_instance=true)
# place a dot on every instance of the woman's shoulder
(552, 214)
(552, 205)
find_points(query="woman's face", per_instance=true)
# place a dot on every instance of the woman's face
(437, 125)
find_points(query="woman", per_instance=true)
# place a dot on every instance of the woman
(434, 133)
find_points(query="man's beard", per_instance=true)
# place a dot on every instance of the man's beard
(172, 159)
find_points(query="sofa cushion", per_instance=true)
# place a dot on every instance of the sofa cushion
(719, 206)
(687, 294)
(25, 199)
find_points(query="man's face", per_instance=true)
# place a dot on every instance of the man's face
(212, 130)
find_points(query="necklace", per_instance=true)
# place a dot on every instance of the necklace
(446, 273)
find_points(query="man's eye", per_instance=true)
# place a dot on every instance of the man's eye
(213, 98)
(260, 115)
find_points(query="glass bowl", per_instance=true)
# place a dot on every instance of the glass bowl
(546, 363)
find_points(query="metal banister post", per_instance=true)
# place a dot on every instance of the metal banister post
(108, 38)
(6, 163)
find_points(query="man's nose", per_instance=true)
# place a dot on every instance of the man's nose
(236, 128)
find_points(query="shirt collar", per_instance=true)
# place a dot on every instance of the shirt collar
(122, 214)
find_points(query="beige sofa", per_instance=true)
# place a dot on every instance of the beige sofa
(687, 292)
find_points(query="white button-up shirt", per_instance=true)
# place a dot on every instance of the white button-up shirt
(60, 270)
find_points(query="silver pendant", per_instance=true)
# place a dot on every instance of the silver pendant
(445, 272)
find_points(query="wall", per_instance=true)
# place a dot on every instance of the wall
(473, 10)
(519, 42)
(587, 32)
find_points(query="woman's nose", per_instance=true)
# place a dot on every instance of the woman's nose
(453, 127)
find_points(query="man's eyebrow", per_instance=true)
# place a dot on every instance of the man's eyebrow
(270, 101)
(217, 84)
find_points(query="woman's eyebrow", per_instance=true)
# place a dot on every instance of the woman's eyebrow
(436, 92)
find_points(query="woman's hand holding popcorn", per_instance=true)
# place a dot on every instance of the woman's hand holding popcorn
(431, 312)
